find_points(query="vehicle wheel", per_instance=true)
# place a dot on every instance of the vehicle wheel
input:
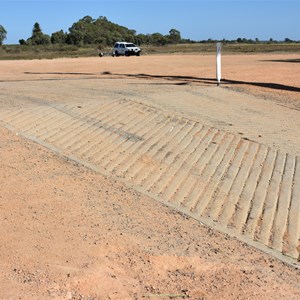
(127, 53)
(138, 54)
(101, 54)
(116, 53)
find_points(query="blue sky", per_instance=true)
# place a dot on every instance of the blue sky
(195, 19)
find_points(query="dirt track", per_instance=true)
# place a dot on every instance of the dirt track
(66, 216)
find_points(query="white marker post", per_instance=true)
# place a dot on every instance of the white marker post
(219, 47)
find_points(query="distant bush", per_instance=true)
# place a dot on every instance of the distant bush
(100, 31)
(58, 37)
(64, 50)
(104, 33)
(2, 34)
(37, 38)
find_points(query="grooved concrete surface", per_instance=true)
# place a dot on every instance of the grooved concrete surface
(242, 186)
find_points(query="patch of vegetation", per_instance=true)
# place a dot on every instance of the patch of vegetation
(14, 52)
(88, 36)
(227, 48)
(101, 32)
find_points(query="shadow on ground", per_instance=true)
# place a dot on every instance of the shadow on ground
(58, 73)
(212, 81)
(183, 79)
(292, 60)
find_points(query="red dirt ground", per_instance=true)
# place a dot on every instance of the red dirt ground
(70, 233)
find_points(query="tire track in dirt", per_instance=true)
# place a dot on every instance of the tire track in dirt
(246, 189)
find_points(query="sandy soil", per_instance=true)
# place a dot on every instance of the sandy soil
(70, 233)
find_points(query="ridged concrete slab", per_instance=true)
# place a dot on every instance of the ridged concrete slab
(238, 186)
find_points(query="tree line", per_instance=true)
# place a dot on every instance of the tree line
(102, 32)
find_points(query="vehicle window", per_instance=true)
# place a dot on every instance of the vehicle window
(116, 45)
(130, 45)
(122, 46)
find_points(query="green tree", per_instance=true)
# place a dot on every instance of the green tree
(174, 36)
(2, 34)
(80, 31)
(37, 37)
(22, 42)
(36, 31)
(158, 39)
(141, 39)
(99, 32)
(58, 37)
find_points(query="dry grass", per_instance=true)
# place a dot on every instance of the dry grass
(10, 52)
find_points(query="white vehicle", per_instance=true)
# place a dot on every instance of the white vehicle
(127, 49)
